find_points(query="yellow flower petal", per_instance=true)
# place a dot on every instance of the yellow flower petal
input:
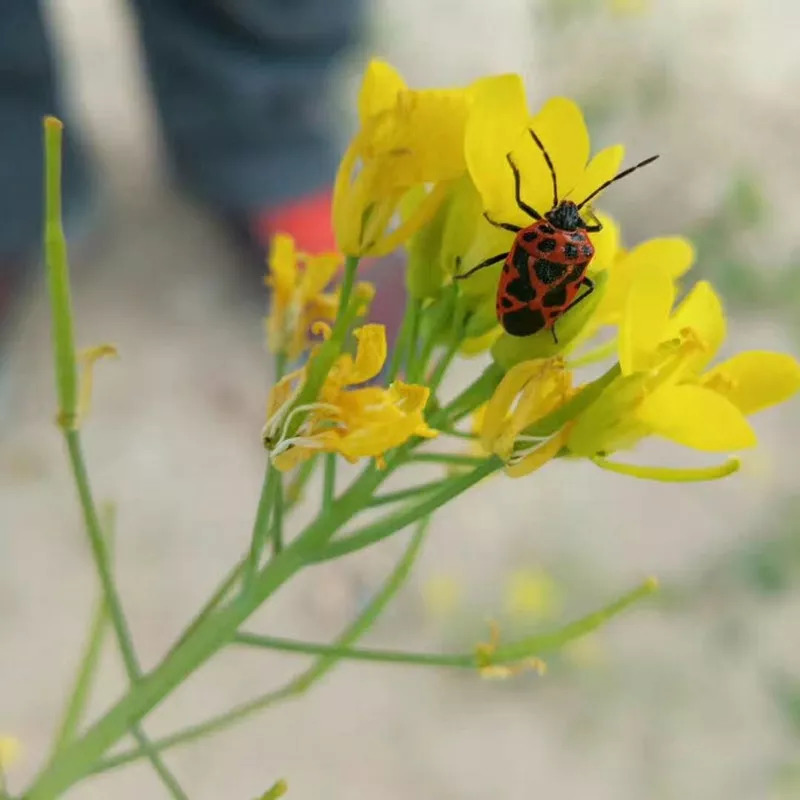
(539, 456)
(700, 311)
(755, 379)
(671, 255)
(282, 267)
(647, 308)
(380, 87)
(561, 128)
(495, 125)
(606, 243)
(603, 167)
(671, 474)
(696, 417)
(318, 272)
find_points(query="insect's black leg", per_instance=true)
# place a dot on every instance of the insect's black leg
(553, 331)
(589, 284)
(488, 262)
(531, 212)
(506, 226)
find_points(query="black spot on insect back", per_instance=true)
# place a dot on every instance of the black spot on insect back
(548, 271)
(521, 289)
(587, 251)
(544, 228)
(570, 251)
(530, 236)
(523, 322)
(555, 297)
(520, 259)
(546, 245)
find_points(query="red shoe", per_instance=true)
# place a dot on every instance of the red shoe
(308, 221)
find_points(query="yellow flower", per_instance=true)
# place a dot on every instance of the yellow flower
(528, 391)
(499, 124)
(407, 138)
(354, 422)
(298, 281)
(664, 389)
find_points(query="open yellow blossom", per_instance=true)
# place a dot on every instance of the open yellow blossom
(354, 422)
(664, 388)
(407, 138)
(298, 283)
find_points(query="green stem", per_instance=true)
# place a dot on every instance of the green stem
(152, 755)
(402, 341)
(442, 366)
(261, 524)
(503, 654)
(392, 523)
(405, 494)
(276, 534)
(475, 395)
(329, 481)
(302, 682)
(294, 491)
(55, 248)
(76, 706)
(448, 458)
(413, 339)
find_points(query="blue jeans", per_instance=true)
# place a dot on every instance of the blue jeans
(240, 85)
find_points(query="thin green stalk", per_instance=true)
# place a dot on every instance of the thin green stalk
(261, 524)
(456, 459)
(302, 682)
(510, 653)
(294, 491)
(413, 340)
(153, 756)
(392, 523)
(439, 320)
(276, 534)
(55, 248)
(475, 395)
(79, 695)
(401, 343)
(278, 789)
(442, 365)
(4, 795)
(329, 481)
(100, 552)
(405, 494)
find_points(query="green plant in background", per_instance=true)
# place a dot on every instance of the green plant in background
(421, 171)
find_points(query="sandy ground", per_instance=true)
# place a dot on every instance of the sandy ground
(173, 440)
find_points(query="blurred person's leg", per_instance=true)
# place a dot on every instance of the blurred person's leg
(29, 91)
(243, 90)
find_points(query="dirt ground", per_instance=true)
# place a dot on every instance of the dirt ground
(174, 441)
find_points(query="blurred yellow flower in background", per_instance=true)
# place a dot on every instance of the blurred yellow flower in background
(532, 594)
(441, 595)
(10, 751)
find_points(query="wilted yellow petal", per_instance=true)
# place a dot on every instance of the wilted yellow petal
(647, 308)
(370, 353)
(755, 379)
(603, 166)
(496, 122)
(379, 89)
(696, 417)
(282, 267)
(539, 456)
(499, 406)
(318, 272)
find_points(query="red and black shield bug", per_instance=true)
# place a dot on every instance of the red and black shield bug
(546, 267)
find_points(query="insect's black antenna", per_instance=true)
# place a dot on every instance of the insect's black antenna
(616, 178)
(549, 164)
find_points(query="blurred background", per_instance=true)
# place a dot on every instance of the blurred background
(693, 695)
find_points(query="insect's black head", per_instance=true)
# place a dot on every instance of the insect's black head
(565, 216)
